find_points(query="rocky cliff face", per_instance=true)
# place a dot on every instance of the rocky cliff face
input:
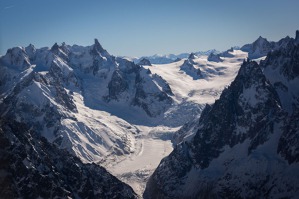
(215, 58)
(31, 167)
(190, 68)
(244, 146)
(261, 47)
(144, 62)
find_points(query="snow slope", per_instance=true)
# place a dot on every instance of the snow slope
(216, 76)
(154, 143)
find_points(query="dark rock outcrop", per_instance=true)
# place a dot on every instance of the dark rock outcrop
(31, 167)
(144, 62)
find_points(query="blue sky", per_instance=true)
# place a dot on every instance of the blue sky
(144, 27)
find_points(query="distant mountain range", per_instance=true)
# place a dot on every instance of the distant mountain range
(169, 58)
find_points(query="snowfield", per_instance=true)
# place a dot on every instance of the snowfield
(154, 138)
(146, 145)
(215, 76)
(137, 167)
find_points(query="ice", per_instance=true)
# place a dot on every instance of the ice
(205, 90)
(136, 168)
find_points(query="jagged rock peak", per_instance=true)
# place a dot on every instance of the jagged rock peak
(214, 58)
(288, 37)
(144, 62)
(16, 56)
(190, 69)
(97, 45)
(31, 46)
(192, 56)
(30, 50)
(55, 47)
(261, 40)
(297, 37)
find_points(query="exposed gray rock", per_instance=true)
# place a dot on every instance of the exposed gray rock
(214, 58)
(31, 167)
(190, 69)
(144, 62)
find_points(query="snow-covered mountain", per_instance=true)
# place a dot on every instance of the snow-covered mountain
(215, 58)
(245, 145)
(31, 167)
(261, 47)
(189, 67)
(144, 62)
(169, 58)
(62, 92)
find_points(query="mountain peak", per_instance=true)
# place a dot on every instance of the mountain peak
(214, 57)
(55, 47)
(30, 46)
(30, 50)
(261, 40)
(258, 48)
(97, 45)
(192, 56)
(297, 37)
(98, 49)
(144, 62)
(17, 56)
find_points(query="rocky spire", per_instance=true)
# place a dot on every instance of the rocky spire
(144, 62)
(18, 57)
(192, 56)
(214, 58)
(98, 46)
(297, 37)
(55, 47)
